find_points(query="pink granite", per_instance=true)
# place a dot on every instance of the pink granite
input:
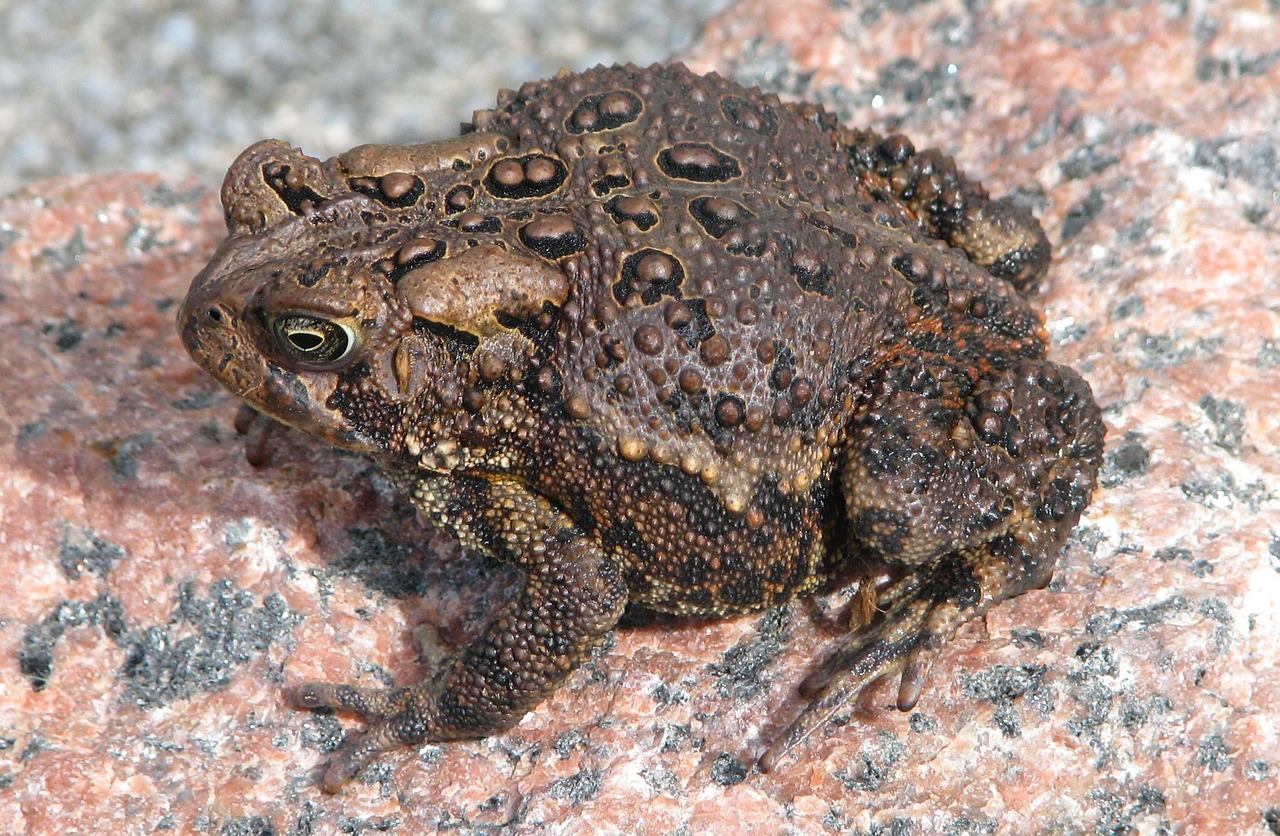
(159, 593)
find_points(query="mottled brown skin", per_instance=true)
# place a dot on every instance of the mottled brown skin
(657, 339)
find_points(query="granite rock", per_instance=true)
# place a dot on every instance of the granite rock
(160, 593)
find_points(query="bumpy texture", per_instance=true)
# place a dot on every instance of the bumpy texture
(657, 339)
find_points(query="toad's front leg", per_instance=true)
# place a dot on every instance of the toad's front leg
(573, 594)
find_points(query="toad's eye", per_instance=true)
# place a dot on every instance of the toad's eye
(313, 342)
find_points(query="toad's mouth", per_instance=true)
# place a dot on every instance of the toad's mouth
(290, 399)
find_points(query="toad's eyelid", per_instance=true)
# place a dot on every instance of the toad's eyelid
(280, 307)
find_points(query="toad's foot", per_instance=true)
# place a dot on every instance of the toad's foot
(921, 613)
(259, 430)
(398, 717)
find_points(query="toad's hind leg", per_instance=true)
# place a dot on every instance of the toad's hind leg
(970, 491)
(919, 613)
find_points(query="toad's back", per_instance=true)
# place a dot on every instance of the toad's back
(742, 266)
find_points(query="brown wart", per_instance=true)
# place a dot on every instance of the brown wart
(641, 211)
(553, 237)
(699, 162)
(757, 117)
(652, 274)
(398, 190)
(718, 215)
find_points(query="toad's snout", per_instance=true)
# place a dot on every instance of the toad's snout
(213, 333)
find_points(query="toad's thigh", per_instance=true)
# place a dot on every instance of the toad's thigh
(939, 463)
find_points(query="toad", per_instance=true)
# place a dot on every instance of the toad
(656, 339)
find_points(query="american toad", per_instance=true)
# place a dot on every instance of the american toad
(653, 338)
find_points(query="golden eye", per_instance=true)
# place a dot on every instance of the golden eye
(313, 341)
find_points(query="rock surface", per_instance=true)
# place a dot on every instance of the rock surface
(160, 593)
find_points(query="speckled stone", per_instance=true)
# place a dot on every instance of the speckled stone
(160, 592)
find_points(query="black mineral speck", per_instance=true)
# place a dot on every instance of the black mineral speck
(7, 237)
(1221, 490)
(921, 723)
(67, 335)
(1227, 418)
(1085, 161)
(204, 641)
(578, 788)
(322, 732)
(1130, 306)
(567, 742)
(938, 84)
(1212, 753)
(1003, 686)
(873, 767)
(200, 399)
(69, 254)
(1108, 622)
(664, 695)
(1123, 813)
(83, 551)
(123, 454)
(164, 196)
(143, 239)
(1269, 354)
(739, 672)
(1130, 459)
(661, 780)
(1026, 637)
(1253, 160)
(35, 658)
(727, 770)
(249, 826)
(1079, 216)
(1171, 553)
(29, 432)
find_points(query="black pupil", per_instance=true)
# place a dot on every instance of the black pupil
(306, 340)
(311, 340)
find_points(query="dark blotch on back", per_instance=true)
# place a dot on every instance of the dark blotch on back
(415, 254)
(698, 162)
(300, 200)
(651, 273)
(641, 211)
(604, 112)
(520, 178)
(718, 215)
(398, 189)
(752, 117)
(553, 237)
